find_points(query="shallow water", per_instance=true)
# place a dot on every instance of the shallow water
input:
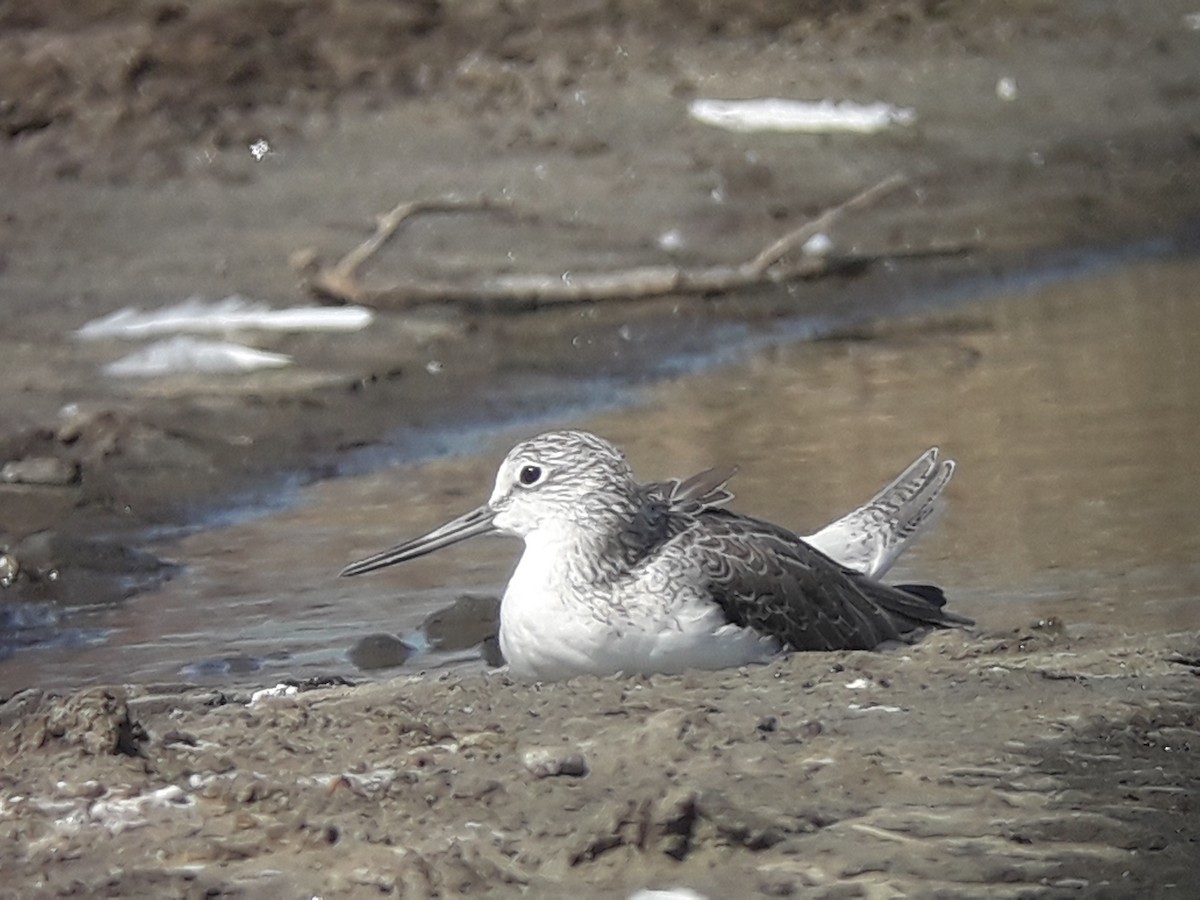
(1073, 409)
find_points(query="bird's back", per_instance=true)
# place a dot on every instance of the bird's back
(765, 577)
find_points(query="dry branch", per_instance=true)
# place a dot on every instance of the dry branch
(340, 281)
(510, 292)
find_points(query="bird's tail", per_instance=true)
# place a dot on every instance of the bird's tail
(917, 606)
(869, 539)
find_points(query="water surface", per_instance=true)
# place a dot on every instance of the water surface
(1073, 409)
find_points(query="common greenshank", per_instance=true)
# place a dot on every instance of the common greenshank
(620, 576)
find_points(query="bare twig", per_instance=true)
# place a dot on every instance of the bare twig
(524, 291)
(340, 281)
(776, 250)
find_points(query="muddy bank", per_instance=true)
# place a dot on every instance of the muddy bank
(1020, 765)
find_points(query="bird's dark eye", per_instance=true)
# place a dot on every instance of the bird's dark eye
(530, 475)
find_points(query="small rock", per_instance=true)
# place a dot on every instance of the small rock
(544, 762)
(811, 729)
(379, 651)
(10, 568)
(39, 470)
(491, 652)
(470, 620)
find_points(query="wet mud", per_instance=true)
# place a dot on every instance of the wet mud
(1017, 765)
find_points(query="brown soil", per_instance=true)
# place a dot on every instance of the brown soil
(1014, 767)
(848, 775)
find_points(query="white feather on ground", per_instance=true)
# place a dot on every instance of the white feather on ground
(184, 355)
(234, 313)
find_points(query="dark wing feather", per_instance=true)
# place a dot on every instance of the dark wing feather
(666, 508)
(766, 578)
(691, 496)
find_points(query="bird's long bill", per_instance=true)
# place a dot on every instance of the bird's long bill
(476, 522)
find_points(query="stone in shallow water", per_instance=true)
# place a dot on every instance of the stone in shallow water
(379, 651)
(470, 620)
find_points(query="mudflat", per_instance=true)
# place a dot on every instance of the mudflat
(1015, 766)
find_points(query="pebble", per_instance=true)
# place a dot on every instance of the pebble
(379, 651)
(674, 893)
(10, 568)
(39, 470)
(545, 762)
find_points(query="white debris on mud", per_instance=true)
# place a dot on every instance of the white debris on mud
(820, 116)
(196, 315)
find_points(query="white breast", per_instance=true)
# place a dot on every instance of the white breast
(553, 627)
